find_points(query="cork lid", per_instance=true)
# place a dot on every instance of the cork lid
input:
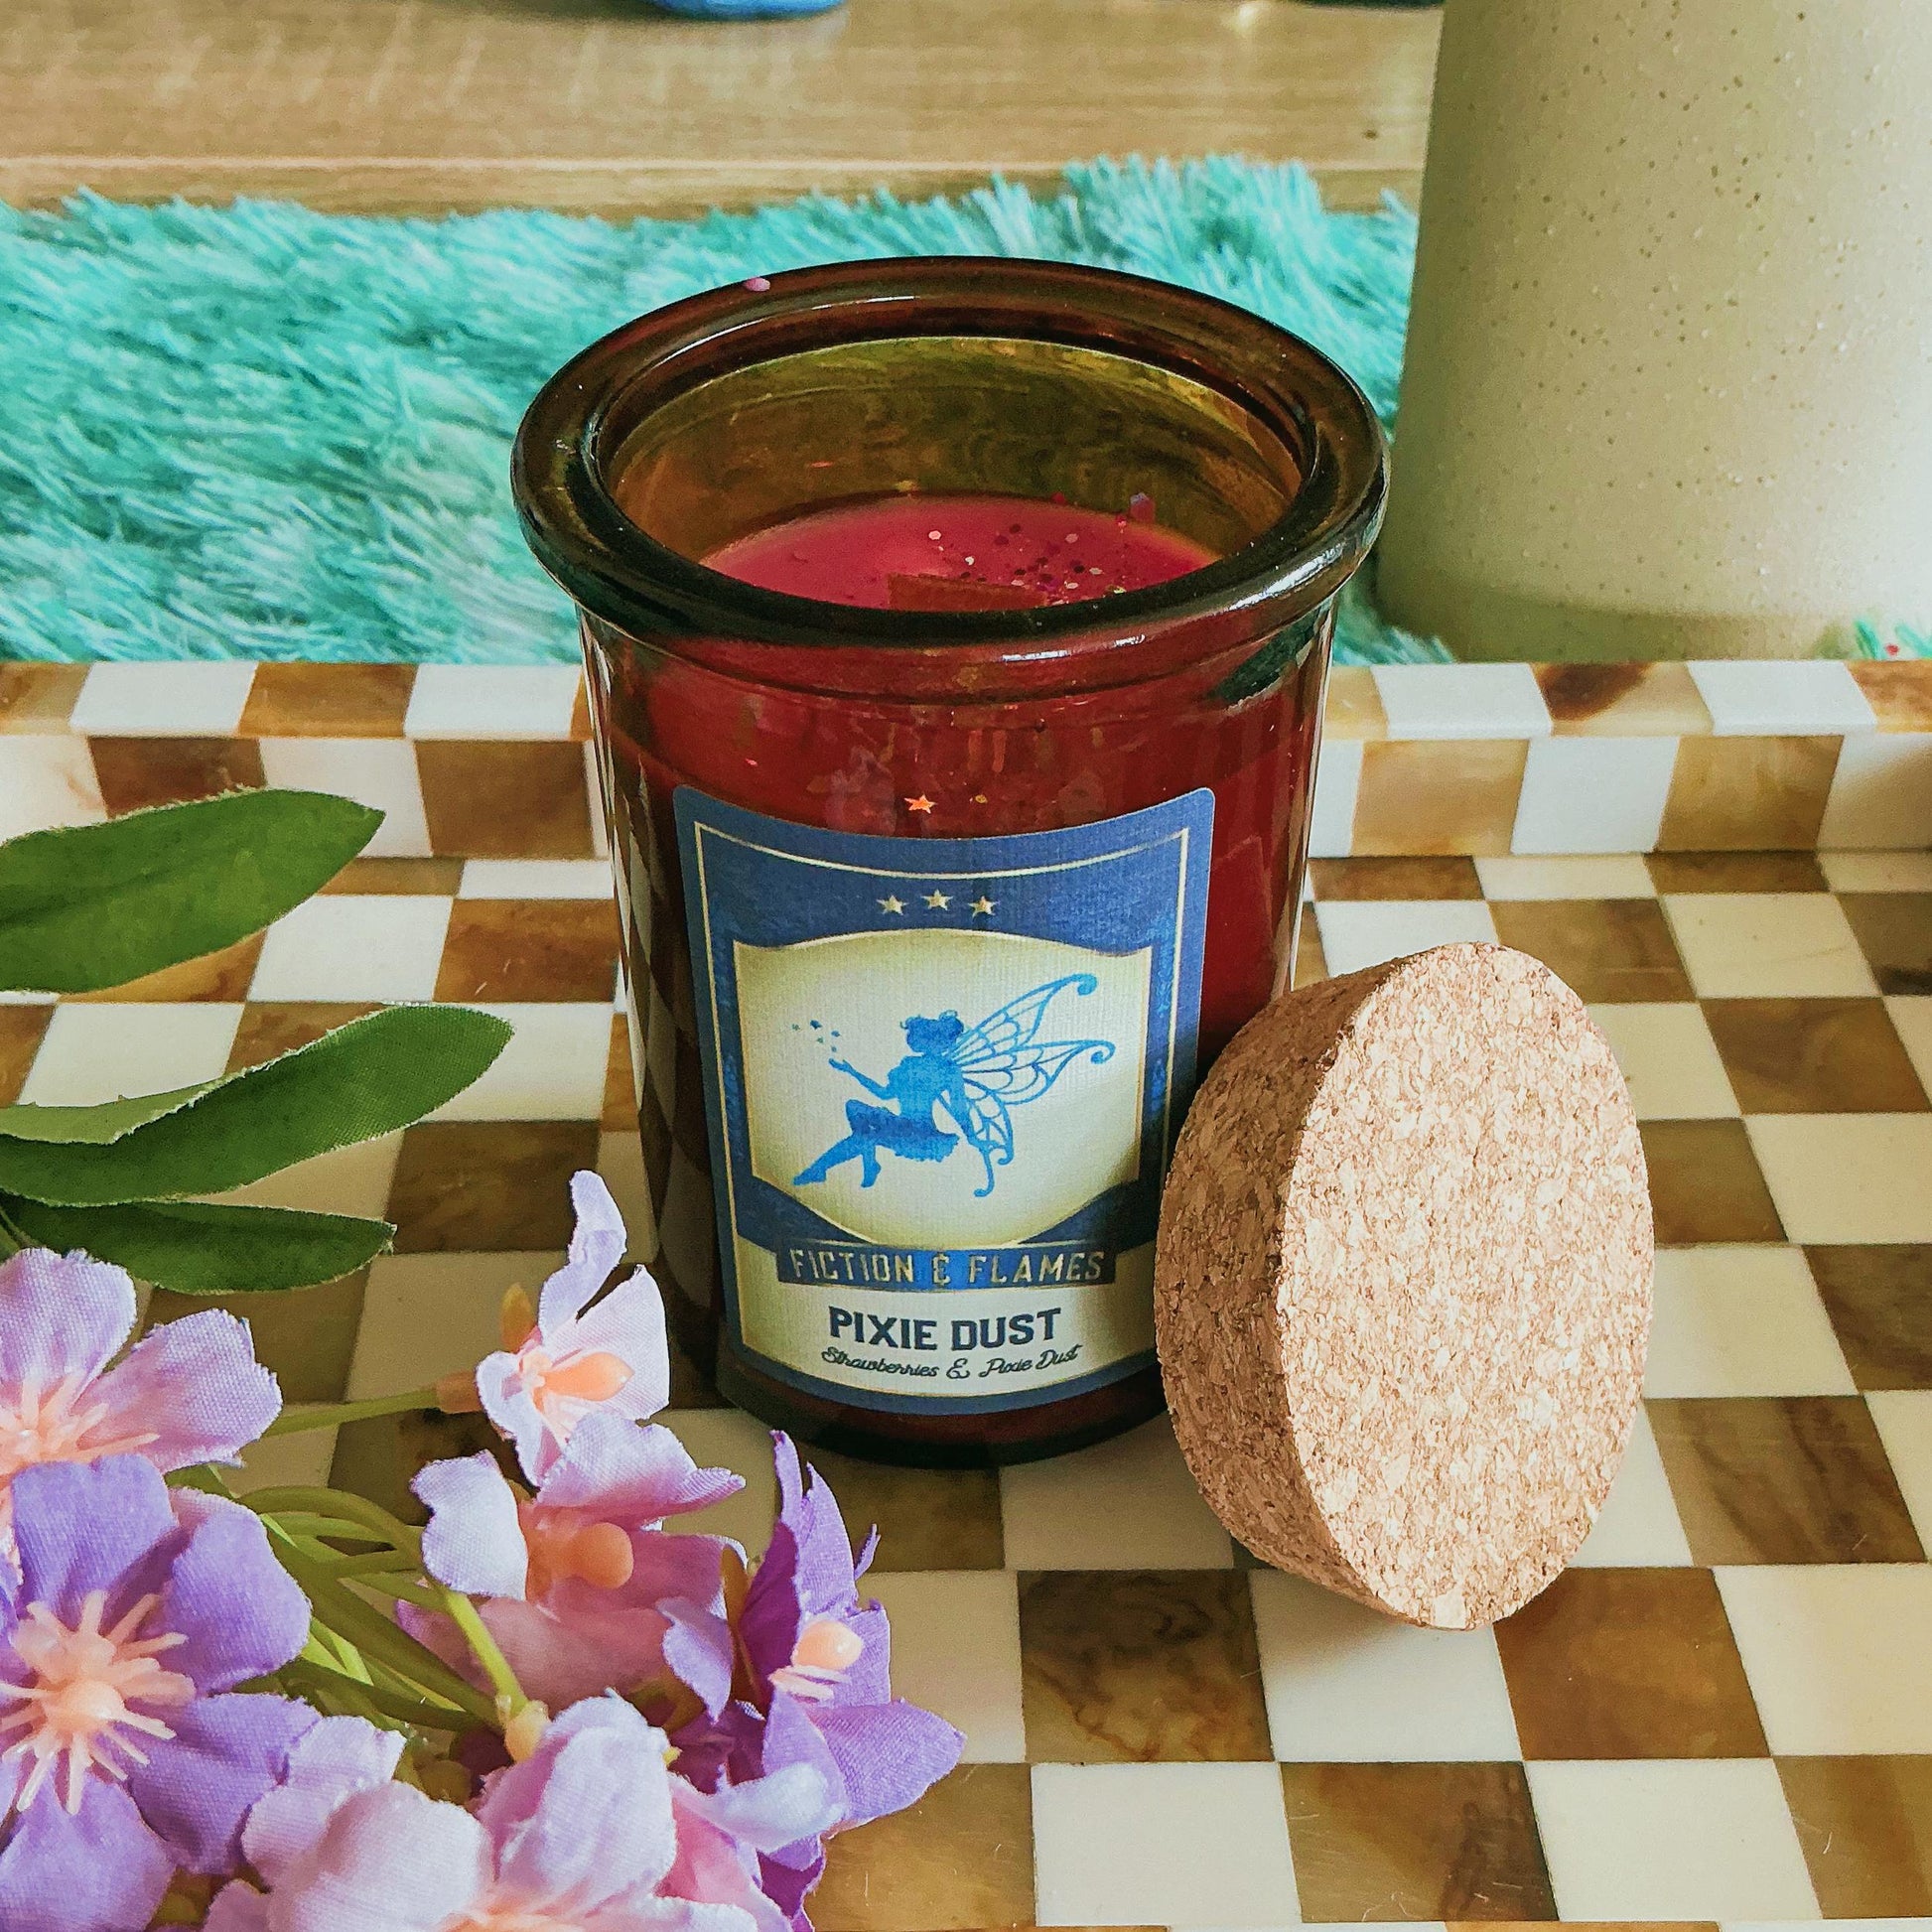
(1401, 1286)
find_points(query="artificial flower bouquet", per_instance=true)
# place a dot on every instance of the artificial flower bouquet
(287, 1711)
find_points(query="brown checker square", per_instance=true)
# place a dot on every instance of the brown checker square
(305, 1337)
(482, 1187)
(1735, 871)
(328, 701)
(1628, 1663)
(22, 1029)
(1363, 879)
(1865, 1826)
(1747, 795)
(1894, 929)
(691, 1387)
(272, 1028)
(529, 949)
(927, 1519)
(962, 1858)
(1439, 794)
(580, 728)
(1607, 949)
(1899, 694)
(1814, 1057)
(224, 975)
(39, 698)
(1783, 1479)
(1311, 964)
(505, 800)
(654, 1134)
(1623, 700)
(435, 878)
(138, 772)
(1879, 1300)
(1705, 1184)
(1384, 1842)
(620, 1112)
(1137, 1666)
(379, 1457)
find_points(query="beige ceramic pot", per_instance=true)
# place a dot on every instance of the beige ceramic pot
(1669, 379)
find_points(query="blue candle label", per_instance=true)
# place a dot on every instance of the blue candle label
(942, 1081)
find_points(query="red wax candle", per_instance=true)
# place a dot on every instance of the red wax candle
(962, 553)
(956, 638)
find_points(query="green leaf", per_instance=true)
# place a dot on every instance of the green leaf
(88, 907)
(375, 1074)
(198, 1248)
(99, 1124)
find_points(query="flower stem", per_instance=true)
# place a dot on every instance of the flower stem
(328, 1415)
(419, 1716)
(346, 1615)
(371, 1519)
(496, 1666)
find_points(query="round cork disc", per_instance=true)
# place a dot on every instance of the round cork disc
(1402, 1287)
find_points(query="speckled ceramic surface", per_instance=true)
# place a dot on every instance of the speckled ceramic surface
(1721, 1711)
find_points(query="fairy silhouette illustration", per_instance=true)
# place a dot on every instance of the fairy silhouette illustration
(976, 1075)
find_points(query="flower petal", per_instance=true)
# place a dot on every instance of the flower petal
(601, 1823)
(197, 1385)
(391, 1860)
(596, 1247)
(196, 1786)
(889, 1753)
(698, 1650)
(578, 1643)
(670, 1564)
(714, 1874)
(100, 1870)
(630, 1325)
(772, 1812)
(330, 1761)
(506, 1402)
(59, 1316)
(237, 1908)
(631, 1475)
(81, 1526)
(472, 1542)
(242, 1613)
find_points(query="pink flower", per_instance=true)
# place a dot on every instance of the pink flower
(190, 1392)
(574, 1363)
(573, 1578)
(592, 1833)
(329, 1764)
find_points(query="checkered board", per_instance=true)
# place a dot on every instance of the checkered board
(1723, 1711)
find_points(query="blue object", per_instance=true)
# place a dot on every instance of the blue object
(261, 432)
(745, 8)
(1011, 1175)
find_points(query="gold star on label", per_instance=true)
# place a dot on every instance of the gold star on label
(919, 804)
(983, 908)
(892, 904)
(937, 901)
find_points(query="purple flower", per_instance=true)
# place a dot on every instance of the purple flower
(190, 1392)
(592, 1833)
(123, 1751)
(573, 1363)
(573, 1578)
(805, 1681)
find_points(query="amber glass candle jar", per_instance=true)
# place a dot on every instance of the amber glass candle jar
(942, 882)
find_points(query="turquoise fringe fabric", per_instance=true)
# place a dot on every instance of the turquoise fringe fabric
(261, 432)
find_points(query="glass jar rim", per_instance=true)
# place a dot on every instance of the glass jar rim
(620, 573)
